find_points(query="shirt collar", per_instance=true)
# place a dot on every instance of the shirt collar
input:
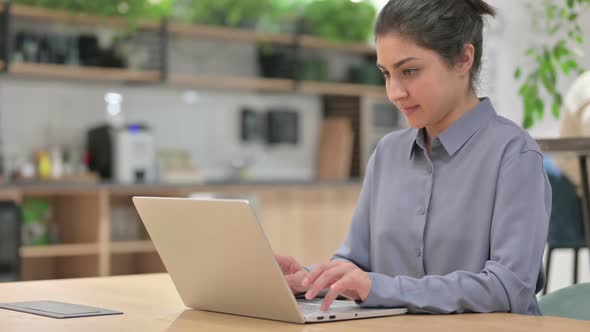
(454, 137)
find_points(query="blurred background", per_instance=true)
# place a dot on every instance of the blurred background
(276, 101)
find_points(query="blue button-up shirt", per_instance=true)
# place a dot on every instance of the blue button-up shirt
(460, 230)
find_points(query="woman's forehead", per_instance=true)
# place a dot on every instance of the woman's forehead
(393, 48)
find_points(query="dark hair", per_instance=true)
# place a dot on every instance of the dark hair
(444, 26)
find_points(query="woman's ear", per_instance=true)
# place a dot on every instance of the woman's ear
(466, 59)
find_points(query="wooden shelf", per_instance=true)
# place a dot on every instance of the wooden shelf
(232, 83)
(194, 30)
(275, 85)
(315, 42)
(193, 81)
(12, 195)
(128, 247)
(45, 14)
(58, 250)
(84, 221)
(213, 32)
(341, 89)
(83, 73)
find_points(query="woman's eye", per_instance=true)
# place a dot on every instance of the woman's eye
(385, 74)
(409, 72)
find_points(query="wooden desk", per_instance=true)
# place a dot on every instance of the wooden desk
(151, 303)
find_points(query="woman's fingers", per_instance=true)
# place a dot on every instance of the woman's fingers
(347, 282)
(288, 264)
(318, 270)
(340, 279)
(329, 275)
(294, 281)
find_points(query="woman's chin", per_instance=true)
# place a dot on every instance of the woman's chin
(415, 123)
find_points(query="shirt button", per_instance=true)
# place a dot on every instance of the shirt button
(418, 252)
(421, 211)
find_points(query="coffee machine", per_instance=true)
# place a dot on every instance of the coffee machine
(126, 154)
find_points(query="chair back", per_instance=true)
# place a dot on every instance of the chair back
(570, 302)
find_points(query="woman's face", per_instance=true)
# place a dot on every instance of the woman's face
(426, 89)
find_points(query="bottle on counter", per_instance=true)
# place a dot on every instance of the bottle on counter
(57, 163)
(43, 164)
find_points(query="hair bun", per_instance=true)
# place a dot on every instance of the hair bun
(480, 7)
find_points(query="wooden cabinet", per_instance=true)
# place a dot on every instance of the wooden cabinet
(307, 221)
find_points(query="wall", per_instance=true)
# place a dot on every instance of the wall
(36, 113)
(39, 114)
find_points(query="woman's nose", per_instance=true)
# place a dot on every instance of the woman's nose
(395, 91)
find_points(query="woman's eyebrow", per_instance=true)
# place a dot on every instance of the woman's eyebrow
(399, 63)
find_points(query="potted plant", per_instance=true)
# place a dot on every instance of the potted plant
(132, 9)
(242, 13)
(366, 72)
(340, 20)
(551, 59)
(88, 51)
(276, 61)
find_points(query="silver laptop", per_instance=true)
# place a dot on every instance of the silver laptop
(220, 260)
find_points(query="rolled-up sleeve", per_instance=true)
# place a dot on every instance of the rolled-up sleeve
(507, 283)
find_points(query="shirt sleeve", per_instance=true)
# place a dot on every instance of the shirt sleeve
(356, 247)
(517, 239)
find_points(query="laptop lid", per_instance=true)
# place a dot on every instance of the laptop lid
(218, 256)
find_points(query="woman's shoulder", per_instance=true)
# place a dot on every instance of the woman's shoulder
(509, 136)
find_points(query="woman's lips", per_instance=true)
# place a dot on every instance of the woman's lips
(409, 110)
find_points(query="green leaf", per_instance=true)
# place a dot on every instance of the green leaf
(580, 39)
(539, 107)
(560, 50)
(530, 51)
(517, 73)
(568, 66)
(547, 83)
(523, 90)
(563, 13)
(558, 98)
(551, 10)
(570, 3)
(555, 108)
(528, 122)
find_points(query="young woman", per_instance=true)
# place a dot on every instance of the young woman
(453, 212)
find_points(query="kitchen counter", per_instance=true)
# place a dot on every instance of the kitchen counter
(73, 187)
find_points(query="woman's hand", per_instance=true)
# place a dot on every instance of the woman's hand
(342, 278)
(293, 272)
